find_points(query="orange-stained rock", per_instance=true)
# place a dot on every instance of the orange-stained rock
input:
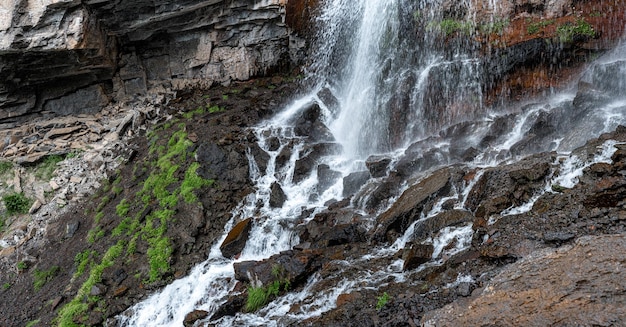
(236, 239)
(300, 14)
(575, 285)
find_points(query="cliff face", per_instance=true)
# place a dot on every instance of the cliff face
(72, 57)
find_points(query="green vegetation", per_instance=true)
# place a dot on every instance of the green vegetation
(190, 114)
(451, 26)
(568, 31)
(259, 296)
(46, 168)
(540, 25)
(22, 265)
(78, 306)
(16, 203)
(2, 223)
(558, 188)
(214, 109)
(73, 154)
(382, 301)
(143, 217)
(122, 208)
(82, 260)
(32, 323)
(225, 97)
(5, 167)
(596, 14)
(6, 286)
(496, 26)
(44, 276)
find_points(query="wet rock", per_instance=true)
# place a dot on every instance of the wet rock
(231, 307)
(193, 316)
(309, 125)
(549, 287)
(382, 192)
(283, 157)
(310, 155)
(416, 255)
(277, 196)
(428, 227)
(260, 157)
(329, 99)
(236, 239)
(601, 78)
(411, 164)
(511, 185)
(326, 177)
(296, 267)
(377, 165)
(353, 182)
(410, 204)
(273, 143)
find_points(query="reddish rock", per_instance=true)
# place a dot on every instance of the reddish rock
(569, 286)
(410, 204)
(236, 239)
(120, 291)
(346, 298)
(194, 316)
(417, 255)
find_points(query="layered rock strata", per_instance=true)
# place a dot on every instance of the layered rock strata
(72, 57)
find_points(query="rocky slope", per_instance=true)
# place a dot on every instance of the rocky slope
(101, 254)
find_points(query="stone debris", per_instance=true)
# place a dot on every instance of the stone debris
(99, 145)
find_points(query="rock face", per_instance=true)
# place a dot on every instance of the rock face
(236, 239)
(580, 284)
(68, 57)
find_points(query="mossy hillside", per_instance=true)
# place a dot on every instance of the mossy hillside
(140, 219)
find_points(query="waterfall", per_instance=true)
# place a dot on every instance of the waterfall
(386, 64)
(386, 82)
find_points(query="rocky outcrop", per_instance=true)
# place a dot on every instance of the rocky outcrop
(572, 285)
(68, 57)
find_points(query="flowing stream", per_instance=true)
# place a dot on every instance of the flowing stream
(381, 91)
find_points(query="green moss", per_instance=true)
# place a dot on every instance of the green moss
(214, 109)
(6, 286)
(122, 208)
(16, 203)
(98, 217)
(68, 315)
(41, 277)
(190, 114)
(105, 200)
(159, 254)
(82, 260)
(192, 182)
(33, 323)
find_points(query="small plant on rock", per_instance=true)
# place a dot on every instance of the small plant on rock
(568, 31)
(44, 276)
(16, 203)
(382, 301)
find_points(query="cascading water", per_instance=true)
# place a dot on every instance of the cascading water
(400, 91)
